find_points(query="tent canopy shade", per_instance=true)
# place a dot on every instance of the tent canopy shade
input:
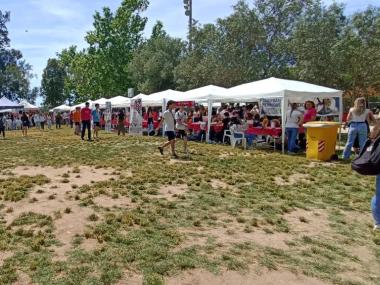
(28, 106)
(5, 103)
(278, 88)
(61, 108)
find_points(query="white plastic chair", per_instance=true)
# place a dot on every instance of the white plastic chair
(227, 133)
(234, 140)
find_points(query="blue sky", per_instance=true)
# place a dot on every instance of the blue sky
(40, 28)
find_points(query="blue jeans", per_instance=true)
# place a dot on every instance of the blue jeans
(375, 203)
(356, 129)
(292, 134)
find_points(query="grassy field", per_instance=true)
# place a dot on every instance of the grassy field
(116, 212)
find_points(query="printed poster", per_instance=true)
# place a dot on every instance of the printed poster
(136, 118)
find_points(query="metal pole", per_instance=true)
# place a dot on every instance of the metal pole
(190, 24)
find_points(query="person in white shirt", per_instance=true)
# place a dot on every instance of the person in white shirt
(294, 119)
(169, 128)
(357, 118)
(181, 125)
(36, 118)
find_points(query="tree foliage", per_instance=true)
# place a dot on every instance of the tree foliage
(15, 73)
(53, 83)
(294, 39)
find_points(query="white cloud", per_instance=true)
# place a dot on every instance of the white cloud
(65, 10)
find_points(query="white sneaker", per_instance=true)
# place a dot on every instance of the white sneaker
(376, 228)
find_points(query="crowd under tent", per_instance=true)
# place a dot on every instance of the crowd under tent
(284, 91)
(5, 103)
(28, 106)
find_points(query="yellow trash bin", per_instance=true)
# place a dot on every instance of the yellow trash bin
(321, 140)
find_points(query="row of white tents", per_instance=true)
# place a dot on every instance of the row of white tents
(285, 90)
(7, 106)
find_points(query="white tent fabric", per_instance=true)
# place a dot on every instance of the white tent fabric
(277, 88)
(157, 99)
(5, 103)
(82, 105)
(210, 92)
(28, 106)
(287, 90)
(101, 102)
(119, 102)
(61, 108)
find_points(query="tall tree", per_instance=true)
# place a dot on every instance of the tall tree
(112, 43)
(153, 64)
(53, 83)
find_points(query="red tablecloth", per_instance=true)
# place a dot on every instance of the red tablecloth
(274, 132)
(196, 127)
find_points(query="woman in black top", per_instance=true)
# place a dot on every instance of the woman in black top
(25, 124)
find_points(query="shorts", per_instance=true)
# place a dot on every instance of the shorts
(96, 124)
(181, 134)
(170, 135)
(77, 123)
(25, 124)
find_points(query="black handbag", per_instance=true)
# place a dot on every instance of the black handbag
(368, 161)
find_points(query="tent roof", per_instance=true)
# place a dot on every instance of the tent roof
(28, 106)
(82, 105)
(5, 103)
(156, 99)
(119, 102)
(275, 87)
(62, 107)
(204, 93)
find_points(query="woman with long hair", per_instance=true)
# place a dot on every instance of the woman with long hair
(294, 119)
(357, 117)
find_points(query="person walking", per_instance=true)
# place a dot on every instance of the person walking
(357, 117)
(294, 120)
(2, 124)
(58, 120)
(37, 122)
(25, 124)
(49, 120)
(96, 121)
(169, 128)
(181, 126)
(42, 121)
(76, 120)
(85, 115)
(120, 126)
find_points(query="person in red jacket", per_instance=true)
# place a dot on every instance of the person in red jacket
(85, 114)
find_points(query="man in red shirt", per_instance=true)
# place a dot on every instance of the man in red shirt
(85, 114)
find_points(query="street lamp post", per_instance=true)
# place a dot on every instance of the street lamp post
(188, 5)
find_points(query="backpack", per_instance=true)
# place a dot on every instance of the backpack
(368, 161)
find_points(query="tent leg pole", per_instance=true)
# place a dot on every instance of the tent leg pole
(209, 113)
(283, 111)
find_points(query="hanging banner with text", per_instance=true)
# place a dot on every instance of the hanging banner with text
(270, 106)
(136, 118)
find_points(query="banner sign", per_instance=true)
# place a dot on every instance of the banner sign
(189, 104)
(136, 118)
(108, 117)
(270, 106)
(325, 107)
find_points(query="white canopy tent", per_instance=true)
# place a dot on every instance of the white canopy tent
(82, 105)
(61, 108)
(5, 103)
(101, 102)
(119, 102)
(28, 106)
(159, 98)
(287, 90)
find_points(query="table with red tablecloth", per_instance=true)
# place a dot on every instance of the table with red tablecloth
(196, 127)
(273, 132)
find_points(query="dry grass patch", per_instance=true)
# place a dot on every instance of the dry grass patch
(292, 179)
(170, 192)
(203, 277)
(302, 222)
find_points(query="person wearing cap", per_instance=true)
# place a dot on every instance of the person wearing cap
(169, 128)
(96, 120)
(85, 115)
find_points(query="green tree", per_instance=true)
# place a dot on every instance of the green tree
(153, 64)
(112, 42)
(53, 83)
(32, 95)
